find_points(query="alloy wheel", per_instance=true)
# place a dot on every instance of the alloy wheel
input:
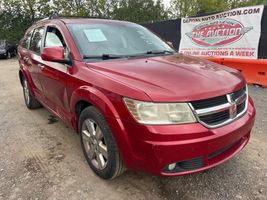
(26, 92)
(94, 144)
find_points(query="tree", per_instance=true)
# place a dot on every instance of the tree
(17, 15)
(139, 11)
(71, 7)
(242, 3)
(85, 8)
(181, 8)
(212, 6)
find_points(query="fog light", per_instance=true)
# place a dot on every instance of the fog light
(171, 166)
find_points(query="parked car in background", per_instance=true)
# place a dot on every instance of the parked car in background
(133, 99)
(7, 50)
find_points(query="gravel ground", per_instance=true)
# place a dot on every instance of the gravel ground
(41, 159)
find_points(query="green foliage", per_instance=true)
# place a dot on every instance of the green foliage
(17, 15)
(242, 3)
(186, 8)
(139, 11)
(181, 8)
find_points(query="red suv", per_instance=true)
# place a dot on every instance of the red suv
(134, 100)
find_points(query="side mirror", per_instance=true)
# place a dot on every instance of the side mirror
(170, 44)
(53, 54)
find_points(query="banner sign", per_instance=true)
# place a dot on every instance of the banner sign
(231, 34)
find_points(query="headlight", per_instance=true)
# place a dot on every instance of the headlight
(160, 113)
(2, 51)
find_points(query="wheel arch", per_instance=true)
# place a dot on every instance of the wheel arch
(80, 106)
(23, 73)
(89, 96)
(86, 96)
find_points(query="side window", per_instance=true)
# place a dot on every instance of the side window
(26, 40)
(36, 40)
(52, 40)
(55, 39)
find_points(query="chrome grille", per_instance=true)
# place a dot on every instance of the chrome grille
(215, 118)
(218, 111)
(200, 104)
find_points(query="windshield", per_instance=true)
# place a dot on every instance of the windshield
(116, 40)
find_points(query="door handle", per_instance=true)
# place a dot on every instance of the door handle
(41, 66)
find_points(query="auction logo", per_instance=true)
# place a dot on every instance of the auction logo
(218, 32)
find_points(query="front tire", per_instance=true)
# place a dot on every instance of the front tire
(98, 144)
(30, 101)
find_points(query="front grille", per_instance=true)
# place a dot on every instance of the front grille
(217, 111)
(241, 107)
(200, 104)
(239, 93)
(215, 118)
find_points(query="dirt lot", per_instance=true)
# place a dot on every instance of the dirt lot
(41, 159)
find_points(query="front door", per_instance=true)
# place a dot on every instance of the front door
(54, 75)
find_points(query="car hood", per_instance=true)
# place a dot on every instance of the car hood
(173, 78)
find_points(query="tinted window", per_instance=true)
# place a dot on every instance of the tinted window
(36, 40)
(26, 40)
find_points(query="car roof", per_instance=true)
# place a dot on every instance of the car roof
(83, 21)
(66, 20)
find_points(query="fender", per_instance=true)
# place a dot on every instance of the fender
(101, 101)
(94, 97)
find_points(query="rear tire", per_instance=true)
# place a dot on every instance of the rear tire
(30, 101)
(98, 144)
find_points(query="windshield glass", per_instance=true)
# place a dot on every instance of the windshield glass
(115, 39)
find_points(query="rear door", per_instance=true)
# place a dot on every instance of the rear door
(23, 52)
(33, 60)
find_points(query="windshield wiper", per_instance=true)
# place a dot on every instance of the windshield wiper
(114, 56)
(155, 52)
(160, 52)
(103, 56)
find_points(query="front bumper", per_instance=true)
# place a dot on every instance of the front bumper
(152, 148)
(3, 55)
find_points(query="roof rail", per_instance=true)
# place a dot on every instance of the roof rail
(46, 18)
(40, 20)
(55, 16)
